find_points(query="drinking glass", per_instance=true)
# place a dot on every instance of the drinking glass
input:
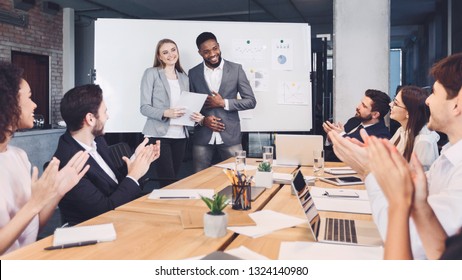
(240, 161)
(39, 121)
(318, 163)
(268, 154)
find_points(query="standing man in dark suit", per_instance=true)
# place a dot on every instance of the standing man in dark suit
(104, 187)
(221, 80)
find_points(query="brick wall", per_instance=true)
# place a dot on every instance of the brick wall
(43, 35)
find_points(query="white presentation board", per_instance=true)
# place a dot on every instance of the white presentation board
(275, 56)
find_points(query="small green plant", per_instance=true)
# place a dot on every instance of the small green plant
(217, 204)
(264, 167)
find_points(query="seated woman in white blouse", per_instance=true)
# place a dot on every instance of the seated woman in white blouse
(409, 109)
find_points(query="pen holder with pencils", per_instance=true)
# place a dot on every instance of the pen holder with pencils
(241, 197)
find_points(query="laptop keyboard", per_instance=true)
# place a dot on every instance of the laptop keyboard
(340, 230)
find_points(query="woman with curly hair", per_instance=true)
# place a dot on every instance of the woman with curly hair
(27, 202)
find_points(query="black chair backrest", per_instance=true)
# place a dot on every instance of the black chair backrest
(118, 151)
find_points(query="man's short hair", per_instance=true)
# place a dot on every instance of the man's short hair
(204, 36)
(448, 72)
(380, 101)
(78, 102)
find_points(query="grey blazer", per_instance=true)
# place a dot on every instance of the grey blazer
(155, 99)
(234, 80)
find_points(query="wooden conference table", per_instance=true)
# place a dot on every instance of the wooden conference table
(152, 229)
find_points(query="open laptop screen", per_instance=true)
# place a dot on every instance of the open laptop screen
(306, 200)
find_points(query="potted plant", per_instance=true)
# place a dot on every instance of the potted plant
(215, 221)
(264, 175)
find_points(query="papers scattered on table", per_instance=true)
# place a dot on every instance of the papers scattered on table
(100, 233)
(175, 194)
(340, 170)
(191, 102)
(232, 165)
(324, 251)
(267, 221)
(341, 200)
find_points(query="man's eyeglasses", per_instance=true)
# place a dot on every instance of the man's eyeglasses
(394, 103)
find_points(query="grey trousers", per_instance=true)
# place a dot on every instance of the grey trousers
(203, 155)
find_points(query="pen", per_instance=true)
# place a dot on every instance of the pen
(176, 197)
(355, 195)
(70, 245)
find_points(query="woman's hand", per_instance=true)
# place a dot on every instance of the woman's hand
(174, 113)
(197, 117)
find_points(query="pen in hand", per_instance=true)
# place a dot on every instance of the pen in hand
(70, 245)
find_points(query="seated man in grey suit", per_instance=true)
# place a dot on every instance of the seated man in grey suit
(221, 80)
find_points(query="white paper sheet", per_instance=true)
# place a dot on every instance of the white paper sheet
(175, 194)
(232, 165)
(100, 233)
(191, 102)
(340, 170)
(324, 251)
(267, 221)
(245, 253)
(323, 202)
(286, 178)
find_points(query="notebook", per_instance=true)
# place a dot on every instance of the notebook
(341, 231)
(296, 150)
(100, 233)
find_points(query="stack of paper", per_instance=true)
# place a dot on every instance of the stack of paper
(340, 170)
(286, 178)
(267, 222)
(99, 233)
(175, 194)
(341, 200)
(323, 251)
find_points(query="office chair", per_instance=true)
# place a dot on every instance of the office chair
(122, 149)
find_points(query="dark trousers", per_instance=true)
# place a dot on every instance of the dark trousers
(168, 164)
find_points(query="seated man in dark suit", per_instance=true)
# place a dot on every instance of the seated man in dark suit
(104, 187)
(369, 115)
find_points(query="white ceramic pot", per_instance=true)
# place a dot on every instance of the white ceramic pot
(264, 179)
(215, 225)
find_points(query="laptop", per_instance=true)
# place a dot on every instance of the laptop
(296, 150)
(340, 231)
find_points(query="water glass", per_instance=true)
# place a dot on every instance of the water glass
(318, 163)
(240, 161)
(268, 154)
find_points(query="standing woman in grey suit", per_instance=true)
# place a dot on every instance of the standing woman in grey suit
(161, 88)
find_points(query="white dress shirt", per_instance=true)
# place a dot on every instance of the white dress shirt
(425, 145)
(213, 78)
(444, 196)
(97, 157)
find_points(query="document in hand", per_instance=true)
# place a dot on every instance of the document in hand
(100, 233)
(191, 102)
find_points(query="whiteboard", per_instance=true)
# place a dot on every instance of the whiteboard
(275, 56)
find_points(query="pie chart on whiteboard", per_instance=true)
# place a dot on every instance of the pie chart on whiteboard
(282, 59)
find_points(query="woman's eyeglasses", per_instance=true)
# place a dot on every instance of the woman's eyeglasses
(394, 103)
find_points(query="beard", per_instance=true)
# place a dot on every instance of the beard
(98, 130)
(215, 65)
(364, 119)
